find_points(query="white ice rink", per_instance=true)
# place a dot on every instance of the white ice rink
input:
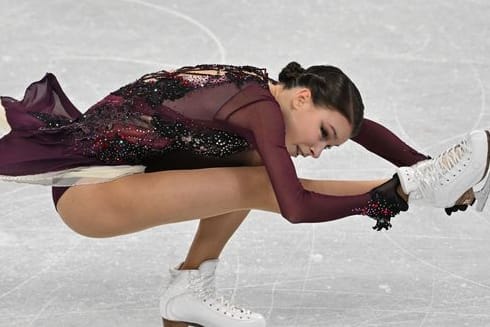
(423, 68)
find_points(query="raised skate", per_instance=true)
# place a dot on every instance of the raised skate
(441, 181)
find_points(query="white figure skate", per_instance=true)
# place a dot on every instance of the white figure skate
(190, 299)
(440, 182)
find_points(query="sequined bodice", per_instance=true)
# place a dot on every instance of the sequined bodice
(163, 112)
(157, 88)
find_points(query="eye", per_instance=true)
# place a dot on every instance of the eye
(324, 133)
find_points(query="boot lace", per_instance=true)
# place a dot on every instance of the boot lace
(204, 287)
(439, 169)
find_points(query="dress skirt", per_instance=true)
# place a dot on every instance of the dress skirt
(34, 151)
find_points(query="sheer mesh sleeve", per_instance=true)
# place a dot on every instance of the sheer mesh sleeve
(381, 141)
(262, 119)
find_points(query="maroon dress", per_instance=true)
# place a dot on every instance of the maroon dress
(193, 117)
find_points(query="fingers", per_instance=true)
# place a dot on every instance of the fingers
(468, 197)
(382, 223)
(459, 207)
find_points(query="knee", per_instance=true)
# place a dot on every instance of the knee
(90, 224)
(86, 228)
(94, 219)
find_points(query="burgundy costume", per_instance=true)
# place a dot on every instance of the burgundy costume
(194, 117)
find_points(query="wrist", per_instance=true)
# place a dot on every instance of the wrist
(402, 194)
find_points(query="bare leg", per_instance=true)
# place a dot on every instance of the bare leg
(211, 237)
(141, 201)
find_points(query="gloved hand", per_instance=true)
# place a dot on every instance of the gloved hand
(468, 198)
(458, 207)
(385, 203)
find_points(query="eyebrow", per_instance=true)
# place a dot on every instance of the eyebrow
(334, 131)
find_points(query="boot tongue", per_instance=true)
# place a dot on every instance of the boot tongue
(449, 158)
(208, 267)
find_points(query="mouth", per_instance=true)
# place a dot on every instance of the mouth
(298, 151)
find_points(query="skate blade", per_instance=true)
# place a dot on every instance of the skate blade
(482, 196)
(169, 323)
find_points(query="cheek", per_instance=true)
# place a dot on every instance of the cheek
(299, 131)
(307, 133)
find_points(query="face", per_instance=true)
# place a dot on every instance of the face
(311, 129)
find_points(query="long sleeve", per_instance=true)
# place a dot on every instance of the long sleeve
(381, 141)
(261, 119)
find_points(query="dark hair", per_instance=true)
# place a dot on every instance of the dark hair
(329, 87)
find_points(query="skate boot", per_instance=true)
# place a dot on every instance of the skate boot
(441, 181)
(190, 300)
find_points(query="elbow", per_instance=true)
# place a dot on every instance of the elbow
(304, 216)
(294, 220)
(294, 217)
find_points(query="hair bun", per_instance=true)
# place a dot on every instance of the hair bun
(290, 73)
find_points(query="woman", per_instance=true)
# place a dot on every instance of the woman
(130, 162)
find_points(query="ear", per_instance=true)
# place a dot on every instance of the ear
(301, 97)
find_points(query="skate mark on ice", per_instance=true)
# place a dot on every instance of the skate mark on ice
(307, 274)
(410, 254)
(54, 261)
(202, 27)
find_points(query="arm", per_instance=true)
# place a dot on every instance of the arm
(381, 141)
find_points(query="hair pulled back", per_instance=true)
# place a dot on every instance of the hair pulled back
(329, 87)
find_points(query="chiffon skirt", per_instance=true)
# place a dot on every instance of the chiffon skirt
(32, 152)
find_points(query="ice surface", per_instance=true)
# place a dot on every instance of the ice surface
(424, 71)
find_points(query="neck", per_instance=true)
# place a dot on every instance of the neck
(273, 88)
(277, 91)
(281, 97)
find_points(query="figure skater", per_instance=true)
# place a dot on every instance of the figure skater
(212, 142)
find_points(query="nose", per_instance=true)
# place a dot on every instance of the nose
(316, 150)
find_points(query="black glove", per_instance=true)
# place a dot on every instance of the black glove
(458, 207)
(385, 203)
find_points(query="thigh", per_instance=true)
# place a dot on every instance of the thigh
(141, 201)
